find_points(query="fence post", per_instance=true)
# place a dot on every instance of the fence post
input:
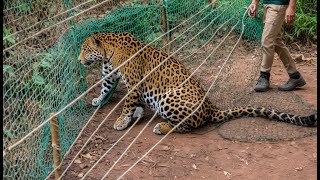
(54, 127)
(164, 25)
(72, 23)
(210, 1)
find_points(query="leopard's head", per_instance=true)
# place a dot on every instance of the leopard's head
(92, 50)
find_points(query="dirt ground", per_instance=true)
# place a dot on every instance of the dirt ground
(205, 156)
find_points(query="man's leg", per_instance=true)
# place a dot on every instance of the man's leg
(284, 55)
(272, 19)
(295, 80)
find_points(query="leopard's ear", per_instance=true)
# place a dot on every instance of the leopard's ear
(95, 41)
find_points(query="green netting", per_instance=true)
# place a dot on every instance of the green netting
(42, 74)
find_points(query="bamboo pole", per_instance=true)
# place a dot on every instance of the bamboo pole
(54, 127)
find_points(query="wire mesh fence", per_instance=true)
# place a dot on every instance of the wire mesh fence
(42, 74)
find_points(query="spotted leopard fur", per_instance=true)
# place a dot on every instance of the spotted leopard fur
(162, 89)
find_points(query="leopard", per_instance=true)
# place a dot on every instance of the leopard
(168, 88)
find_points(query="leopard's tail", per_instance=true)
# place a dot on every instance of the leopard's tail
(239, 112)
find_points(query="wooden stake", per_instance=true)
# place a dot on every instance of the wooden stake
(210, 1)
(164, 25)
(54, 127)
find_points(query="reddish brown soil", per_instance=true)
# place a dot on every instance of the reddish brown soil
(194, 156)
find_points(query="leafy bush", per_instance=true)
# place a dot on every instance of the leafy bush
(304, 28)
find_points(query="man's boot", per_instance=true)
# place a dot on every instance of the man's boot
(296, 80)
(263, 82)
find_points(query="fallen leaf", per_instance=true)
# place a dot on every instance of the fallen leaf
(227, 174)
(164, 148)
(194, 166)
(88, 156)
(77, 161)
(99, 137)
(125, 165)
(80, 175)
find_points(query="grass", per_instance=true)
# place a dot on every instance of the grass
(304, 28)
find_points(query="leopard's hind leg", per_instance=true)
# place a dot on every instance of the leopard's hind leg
(174, 107)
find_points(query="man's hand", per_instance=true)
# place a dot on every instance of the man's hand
(253, 10)
(290, 15)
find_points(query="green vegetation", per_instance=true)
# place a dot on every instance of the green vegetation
(8, 40)
(304, 28)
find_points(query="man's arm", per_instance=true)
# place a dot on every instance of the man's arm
(291, 12)
(255, 2)
(292, 3)
(253, 8)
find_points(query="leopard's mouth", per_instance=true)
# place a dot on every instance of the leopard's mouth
(87, 62)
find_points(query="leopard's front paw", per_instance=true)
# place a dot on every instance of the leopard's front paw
(122, 123)
(96, 102)
(162, 128)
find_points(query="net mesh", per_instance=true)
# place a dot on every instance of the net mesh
(42, 74)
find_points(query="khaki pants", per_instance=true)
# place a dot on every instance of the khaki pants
(273, 18)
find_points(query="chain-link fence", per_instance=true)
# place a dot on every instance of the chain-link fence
(42, 74)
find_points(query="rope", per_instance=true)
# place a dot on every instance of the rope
(152, 117)
(133, 88)
(97, 83)
(128, 93)
(133, 141)
(74, 142)
(4, 38)
(192, 112)
(81, 134)
(182, 85)
(113, 145)
(71, 17)
(198, 23)
(209, 38)
(155, 113)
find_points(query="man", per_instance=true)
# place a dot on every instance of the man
(274, 13)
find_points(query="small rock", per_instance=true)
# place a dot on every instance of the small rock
(192, 155)
(206, 158)
(80, 175)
